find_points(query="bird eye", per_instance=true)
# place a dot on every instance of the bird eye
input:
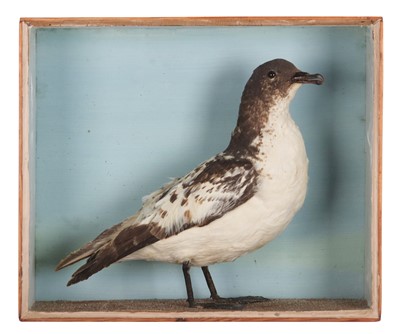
(271, 74)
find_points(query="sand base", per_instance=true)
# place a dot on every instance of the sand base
(156, 305)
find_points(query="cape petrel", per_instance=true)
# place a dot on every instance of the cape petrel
(229, 205)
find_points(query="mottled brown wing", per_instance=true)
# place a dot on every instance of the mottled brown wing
(214, 188)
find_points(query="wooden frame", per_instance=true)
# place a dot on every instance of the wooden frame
(371, 313)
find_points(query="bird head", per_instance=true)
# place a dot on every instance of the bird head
(278, 78)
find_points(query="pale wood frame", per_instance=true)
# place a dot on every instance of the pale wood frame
(371, 314)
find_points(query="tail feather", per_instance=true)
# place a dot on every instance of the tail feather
(127, 241)
(96, 262)
(93, 246)
(80, 254)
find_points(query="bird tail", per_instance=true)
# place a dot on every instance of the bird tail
(99, 259)
(95, 245)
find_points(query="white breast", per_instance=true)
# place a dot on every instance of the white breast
(283, 167)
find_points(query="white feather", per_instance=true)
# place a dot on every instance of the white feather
(281, 193)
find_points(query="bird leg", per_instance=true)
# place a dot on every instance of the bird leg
(227, 303)
(219, 303)
(210, 284)
(188, 283)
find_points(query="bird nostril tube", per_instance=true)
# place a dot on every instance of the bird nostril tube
(304, 78)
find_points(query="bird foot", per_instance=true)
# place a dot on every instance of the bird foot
(244, 300)
(236, 303)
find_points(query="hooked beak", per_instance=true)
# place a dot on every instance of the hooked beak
(304, 77)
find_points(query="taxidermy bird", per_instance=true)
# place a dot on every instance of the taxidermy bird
(228, 206)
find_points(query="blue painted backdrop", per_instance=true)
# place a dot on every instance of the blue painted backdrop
(120, 110)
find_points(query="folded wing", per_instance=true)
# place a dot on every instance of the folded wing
(208, 192)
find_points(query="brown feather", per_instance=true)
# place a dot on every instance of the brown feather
(128, 240)
(94, 245)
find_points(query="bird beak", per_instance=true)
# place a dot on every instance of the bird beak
(304, 77)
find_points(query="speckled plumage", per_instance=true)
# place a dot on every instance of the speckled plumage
(229, 205)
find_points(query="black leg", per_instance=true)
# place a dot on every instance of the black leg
(210, 283)
(236, 303)
(219, 303)
(188, 282)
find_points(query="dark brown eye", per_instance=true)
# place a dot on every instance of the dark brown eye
(271, 74)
